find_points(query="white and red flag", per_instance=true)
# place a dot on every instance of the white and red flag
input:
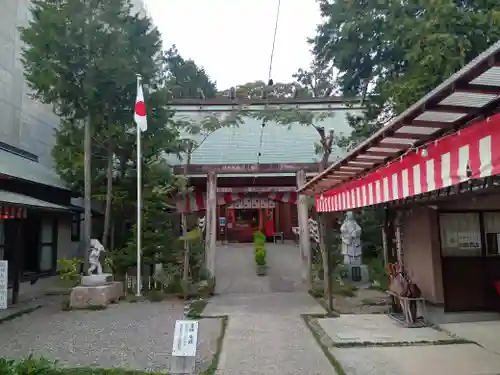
(140, 108)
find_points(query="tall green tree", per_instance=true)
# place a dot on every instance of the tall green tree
(184, 78)
(82, 57)
(396, 51)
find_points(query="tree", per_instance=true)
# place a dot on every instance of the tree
(82, 56)
(397, 51)
(259, 89)
(184, 78)
(316, 82)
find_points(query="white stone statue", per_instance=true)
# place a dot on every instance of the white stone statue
(350, 233)
(95, 252)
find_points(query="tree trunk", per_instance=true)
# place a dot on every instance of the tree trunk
(185, 271)
(325, 255)
(109, 195)
(325, 252)
(87, 165)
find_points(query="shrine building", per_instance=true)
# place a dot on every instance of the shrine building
(435, 170)
(256, 166)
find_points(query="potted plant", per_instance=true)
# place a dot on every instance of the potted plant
(260, 260)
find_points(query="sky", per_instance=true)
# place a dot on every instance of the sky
(232, 39)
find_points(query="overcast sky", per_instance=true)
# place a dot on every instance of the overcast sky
(232, 39)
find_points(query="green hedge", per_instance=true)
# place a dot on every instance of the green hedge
(40, 366)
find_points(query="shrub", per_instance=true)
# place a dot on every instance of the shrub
(260, 256)
(27, 366)
(259, 238)
(69, 271)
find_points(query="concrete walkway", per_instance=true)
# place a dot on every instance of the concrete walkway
(266, 333)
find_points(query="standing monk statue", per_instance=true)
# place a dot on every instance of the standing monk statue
(350, 233)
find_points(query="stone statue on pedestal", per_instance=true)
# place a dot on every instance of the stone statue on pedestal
(350, 233)
(96, 249)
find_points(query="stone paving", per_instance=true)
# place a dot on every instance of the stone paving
(376, 329)
(460, 359)
(266, 333)
(486, 334)
(127, 335)
(373, 344)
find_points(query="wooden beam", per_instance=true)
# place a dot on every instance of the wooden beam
(478, 89)
(247, 168)
(429, 124)
(451, 109)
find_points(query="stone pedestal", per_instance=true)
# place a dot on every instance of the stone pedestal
(357, 275)
(84, 297)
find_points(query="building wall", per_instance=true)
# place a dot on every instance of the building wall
(421, 252)
(26, 124)
(480, 202)
(65, 247)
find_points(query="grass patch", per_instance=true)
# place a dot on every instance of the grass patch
(19, 313)
(98, 371)
(319, 336)
(196, 309)
(369, 344)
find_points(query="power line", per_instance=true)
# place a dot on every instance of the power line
(270, 81)
(274, 39)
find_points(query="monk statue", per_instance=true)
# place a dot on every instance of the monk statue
(350, 233)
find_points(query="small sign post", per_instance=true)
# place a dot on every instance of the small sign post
(184, 347)
(4, 281)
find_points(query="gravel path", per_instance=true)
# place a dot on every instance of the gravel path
(266, 333)
(127, 335)
(235, 269)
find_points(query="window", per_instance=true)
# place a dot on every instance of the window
(460, 234)
(492, 231)
(75, 227)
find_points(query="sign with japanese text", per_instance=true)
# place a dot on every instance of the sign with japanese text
(185, 338)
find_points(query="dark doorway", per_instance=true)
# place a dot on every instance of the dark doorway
(31, 230)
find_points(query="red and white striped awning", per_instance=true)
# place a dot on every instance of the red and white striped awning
(13, 212)
(197, 200)
(473, 152)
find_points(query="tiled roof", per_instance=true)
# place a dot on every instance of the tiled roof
(19, 167)
(280, 144)
(24, 200)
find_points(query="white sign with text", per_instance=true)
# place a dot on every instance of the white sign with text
(185, 338)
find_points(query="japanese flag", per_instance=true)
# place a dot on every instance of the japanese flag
(140, 108)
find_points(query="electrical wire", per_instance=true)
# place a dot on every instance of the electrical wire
(259, 154)
(274, 38)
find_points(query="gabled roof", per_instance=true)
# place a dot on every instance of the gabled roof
(276, 143)
(468, 95)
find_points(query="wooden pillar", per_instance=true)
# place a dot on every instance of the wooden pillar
(211, 222)
(304, 240)
(386, 237)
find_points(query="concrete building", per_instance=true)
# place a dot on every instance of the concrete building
(38, 223)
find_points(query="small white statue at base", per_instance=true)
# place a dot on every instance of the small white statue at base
(95, 252)
(350, 233)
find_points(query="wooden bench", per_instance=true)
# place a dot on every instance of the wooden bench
(405, 316)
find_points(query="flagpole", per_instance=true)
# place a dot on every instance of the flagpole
(139, 202)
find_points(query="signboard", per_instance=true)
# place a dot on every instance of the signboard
(222, 221)
(185, 338)
(248, 168)
(4, 267)
(257, 189)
